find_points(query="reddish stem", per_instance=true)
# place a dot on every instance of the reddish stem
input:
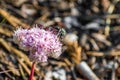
(32, 71)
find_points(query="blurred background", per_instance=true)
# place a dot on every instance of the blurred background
(89, 31)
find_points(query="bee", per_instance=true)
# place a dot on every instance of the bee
(55, 30)
(61, 33)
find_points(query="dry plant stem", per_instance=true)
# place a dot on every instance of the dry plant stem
(14, 21)
(100, 54)
(5, 31)
(5, 72)
(22, 72)
(108, 20)
(32, 71)
(75, 52)
(24, 66)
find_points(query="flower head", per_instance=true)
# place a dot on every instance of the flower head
(40, 42)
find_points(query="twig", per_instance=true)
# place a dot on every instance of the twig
(67, 62)
(75, 52)
(108, 20)
(25, 67)
(94, 53)
(22, 72)
(6, 72)
(5, 32)
(113, 16)
(12, 19)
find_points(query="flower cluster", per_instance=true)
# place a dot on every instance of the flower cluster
(40, 42)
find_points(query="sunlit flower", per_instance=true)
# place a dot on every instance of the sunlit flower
(40, 42)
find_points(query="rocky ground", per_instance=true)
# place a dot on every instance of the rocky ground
(89, 30)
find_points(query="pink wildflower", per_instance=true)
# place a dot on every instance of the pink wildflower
(40, 42)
